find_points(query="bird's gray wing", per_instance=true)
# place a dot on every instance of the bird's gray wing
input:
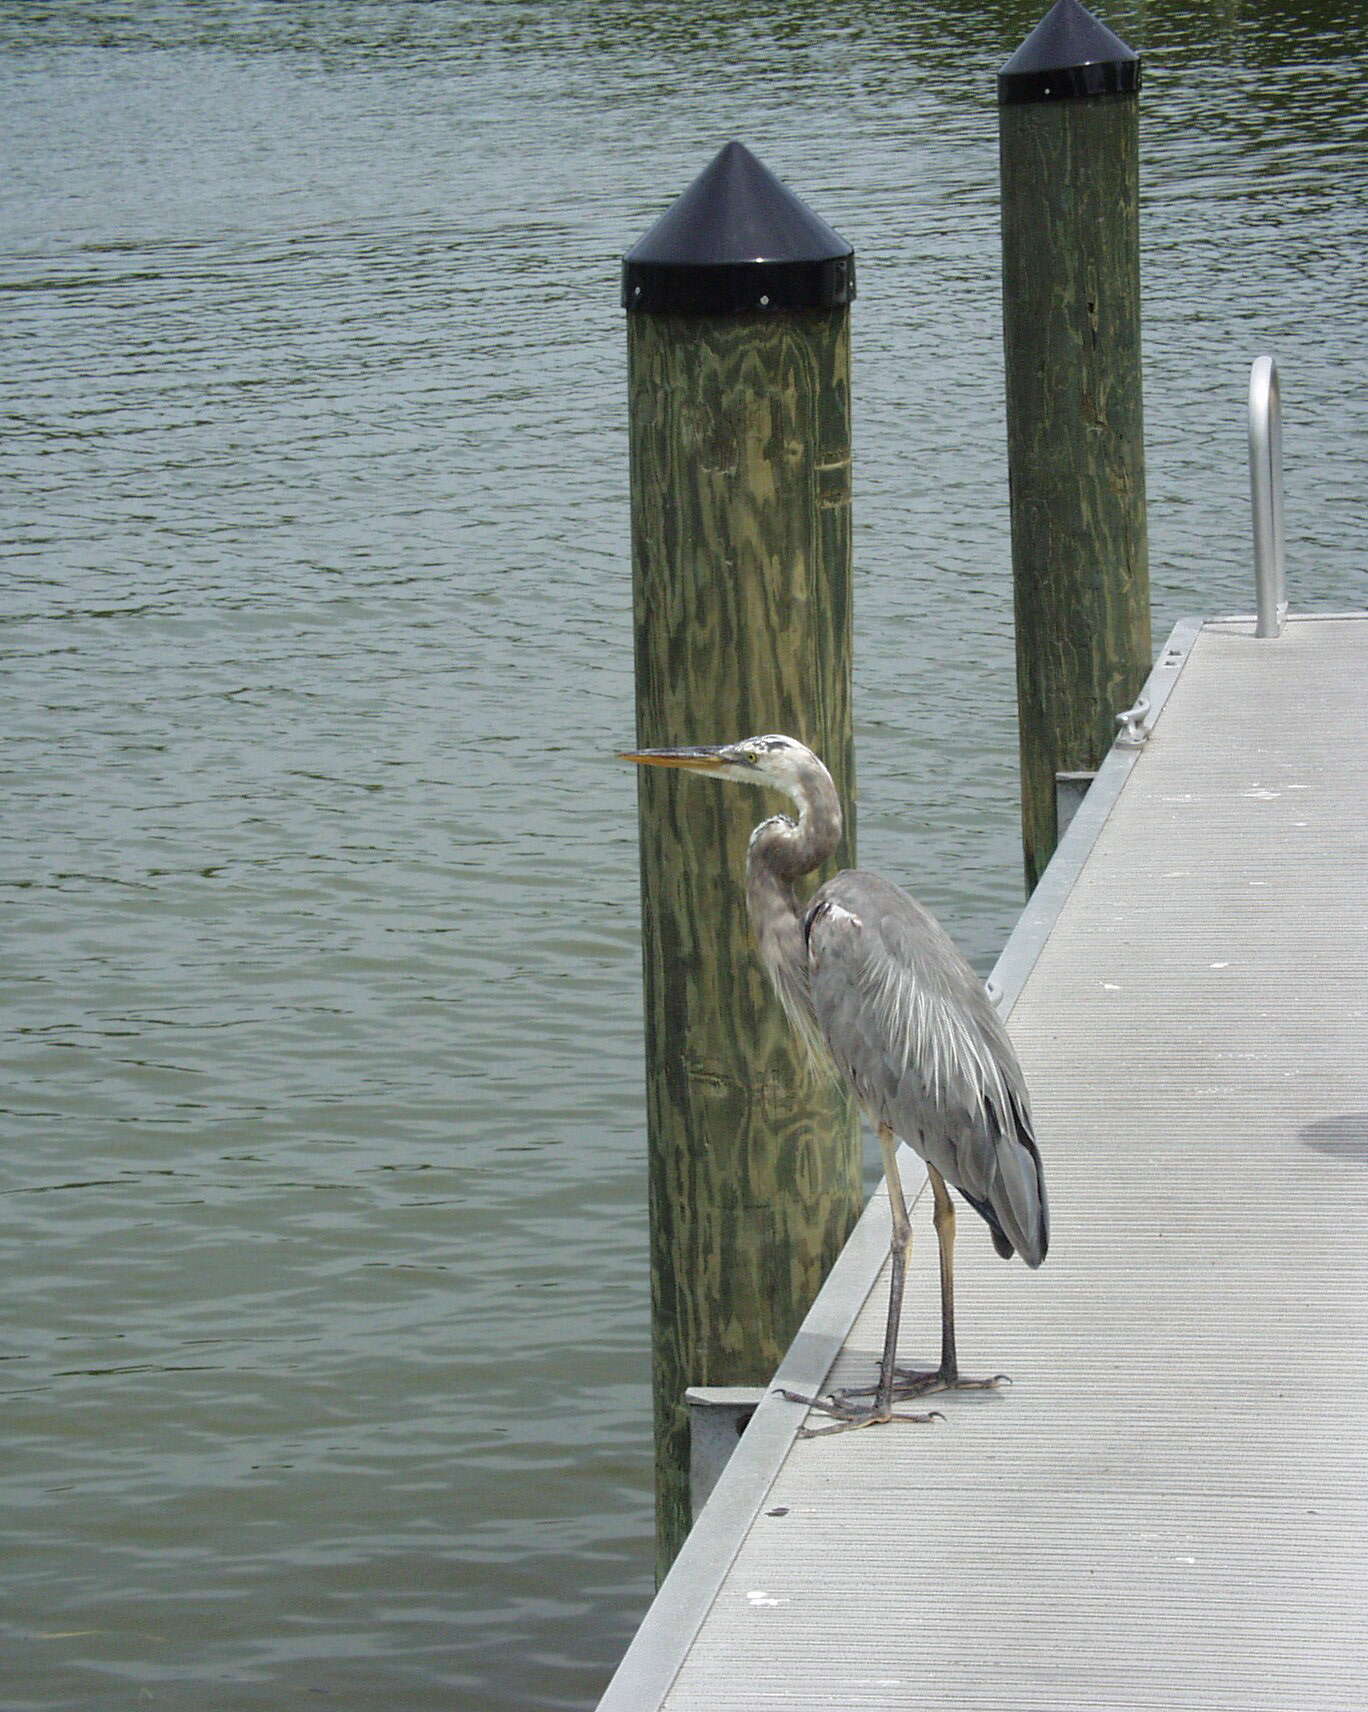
(910, 1024)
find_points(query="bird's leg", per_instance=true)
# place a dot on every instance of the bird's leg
(943, 1217)
(899, 1248)
(849, 1414)
(915, 1382)
(947, 1378)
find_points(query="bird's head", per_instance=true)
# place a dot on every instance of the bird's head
(776, 762)
(781, 763)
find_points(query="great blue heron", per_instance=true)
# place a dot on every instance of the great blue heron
(873, 984)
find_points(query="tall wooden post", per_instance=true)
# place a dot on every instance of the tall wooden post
(1069, 122)
(739, 380)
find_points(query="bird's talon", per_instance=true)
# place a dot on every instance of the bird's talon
(828, 1401)
(909, 1384)
(867, 1418)
(827, 1405)
(847, 1415)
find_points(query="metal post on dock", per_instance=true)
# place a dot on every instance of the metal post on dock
(1069, 127)
(738, 344)
(1266, 496)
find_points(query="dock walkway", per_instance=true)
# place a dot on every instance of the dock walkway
(1169, 1507)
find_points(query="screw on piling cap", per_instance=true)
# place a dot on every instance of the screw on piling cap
(737, 240)
(1068, 54)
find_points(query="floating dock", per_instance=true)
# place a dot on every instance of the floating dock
(1167, 1508)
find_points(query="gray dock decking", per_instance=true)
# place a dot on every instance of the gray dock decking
(1169, 1507)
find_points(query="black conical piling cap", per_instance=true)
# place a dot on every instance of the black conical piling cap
(1069, 54)
(737, 240)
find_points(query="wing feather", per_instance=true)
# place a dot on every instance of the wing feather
(911, 1026)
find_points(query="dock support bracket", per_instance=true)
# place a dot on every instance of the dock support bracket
(718, 1415)
(1070, 789)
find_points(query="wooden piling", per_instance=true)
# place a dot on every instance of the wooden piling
(1069, 127)
(739, 394)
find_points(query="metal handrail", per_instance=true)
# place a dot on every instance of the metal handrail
(1266, 494)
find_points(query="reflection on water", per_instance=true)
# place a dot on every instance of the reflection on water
(324, 1211)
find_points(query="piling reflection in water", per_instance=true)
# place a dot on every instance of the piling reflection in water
(325, 1222)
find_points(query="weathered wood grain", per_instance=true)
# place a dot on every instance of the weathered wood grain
(740, 477)
(1075, 431)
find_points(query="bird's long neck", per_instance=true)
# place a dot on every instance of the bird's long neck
(790, 848)
(781, 851)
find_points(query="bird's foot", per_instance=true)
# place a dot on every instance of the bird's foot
(849, 1415)
(909, 1382)
(921, 1382)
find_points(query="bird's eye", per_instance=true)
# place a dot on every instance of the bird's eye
(753, 756)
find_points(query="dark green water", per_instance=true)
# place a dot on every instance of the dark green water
(324, 1324)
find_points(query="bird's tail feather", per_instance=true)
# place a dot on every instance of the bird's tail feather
(1001, 1241)
(1017, 1199)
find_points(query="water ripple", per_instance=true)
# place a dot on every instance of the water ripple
(323, 1177)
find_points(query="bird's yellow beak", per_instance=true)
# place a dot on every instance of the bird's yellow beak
(696, 760)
